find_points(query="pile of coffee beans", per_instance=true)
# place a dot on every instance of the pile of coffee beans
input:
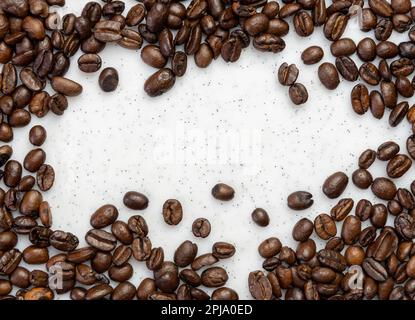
(363, 256)
(367, 259)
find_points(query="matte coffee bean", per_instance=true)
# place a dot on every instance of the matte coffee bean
(387, 150)
(362, 178)
(325, 226)
(172, 212)
(328, 75)
(37, 135)
(398, 166)
(260, 217)
(269, 247)
(108, 80)
(343, 47)
(360, 99)
(185, 254)
(302, 230)
(300, 200)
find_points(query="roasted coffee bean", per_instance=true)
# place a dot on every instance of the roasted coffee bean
(306, 250)
(122, 232)
(259, 286)
(325, 226)
(101, 262)
(298, 93)
(65, 86)
(108, 31)
(89, 62)
(203, 56)
(374, 269)
(405, 198)
(101, 240)
(231, 49)
(63, 241)
(379, 215)
(269, 247)
(384, 70)
(138, 225)
(302, 230)
(34, 160)
(287, 74)
(312, 55)
(402, 67)
(35, 255)
(363, 209)
(362, 178)
(98, 292)
(23, 224)
(12, 173)
(124, 291)
(335, 184)
(300, 200)
(172, 212)
(366, 49)
(146, 288)
(303, 24)
(185, 254)
(108, 80)
(204, 260)
(394, 207)
(30, 203)
(360, 99)
(343, 47)
(389, 94)
(351, 229)
(369, 73)
(135, 200)
(179, 63)
(386, 151)
(37, 136)
(8, 240)
(81, 255)
(167, 277)
(104, 216)
(332, 259)
(342, 209)
(328, 75)
(152, 55)
(156, 259)
(45, 177)
(224, 294)
(223, 250)
(354, 255)
(398, 166)
(267, 42)
(398, 113)
(141, 248)
(347, 68)
(201, 228)
(336, 244)
(6, 152)
(214, 277)
(223, 192)
(335, 26)
(405, 226)
(160, 82)
(404, 87)
(260, 217)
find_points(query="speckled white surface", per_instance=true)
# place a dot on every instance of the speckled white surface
(231, 123)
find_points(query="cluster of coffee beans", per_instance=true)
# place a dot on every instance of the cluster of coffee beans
(368, 259)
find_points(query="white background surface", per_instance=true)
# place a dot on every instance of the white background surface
(108, 144)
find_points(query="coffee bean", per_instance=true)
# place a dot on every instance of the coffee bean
(146, 288)
(363, 209)
(360, 99)
(141, 248)
(366, 49)
(269, 247)
(386, 151)
(377, 105)
(306, 250)
(287, 74)
(260, 217)
(398, 166)
(369, 73)
(398, 113)
(347, 68)
(302, 230)
(63, 241)
(108, 31)
(101, 240)
(328, 75)
(167, 277)
(172, 212)
(259, 286)
(108, 80)
(351, 229)
(312, 55)
(45, 177)
(135, 200)
(267, 42)
(223, 192)
(34, 160)
(374, 269)
(156, 259)
(379, 215)
(204, 260)
(325, 226)
(138, 225)
(223, 250)
(160, 82)
(335, 184)
(37, 135)
(343, 47)
(300, 200)
(214, 277)
(104, 216)
(122, 232)
(335, 26)
(362, 178)
(179, 63)
(12, 173)
(89, 62)
(342, 209)
(224, 294)
(35, 255)
(332, 259)
(65, 86)
(201, 228)
(185, 254)
(256, 24)
(298, 93)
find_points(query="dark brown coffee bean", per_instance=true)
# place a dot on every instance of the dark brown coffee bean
(204, 260)
(37, 135)
(366, 49)
(398, 113)
(152, 56)
(179, 63)
(298, 93)
(336, 244)
(35, 255)
(347, 68)
(312, 55)
(98, 292)
(203, 56)
(141, 248)
(172, 212)
(108, 31)
(398, 166)
(108, 80)
(269, 247)
(384, 188)
(342, 209)
(306, 250)
(360, 99)
(351, 229)
(104, 216)
(379, 215)
(268, 42)
(121, 231)
(160, 82)
(135, 200)
(65, 86)
(343, 47)
(260, 217)
(12, 173)
(156, 259)
(101, 240)
(335, 26)
(81, 255)
(30, 203)
(402, 67)
(364, 209)
(45, 177)
(8, 240)
(332, 259)
(369, 73)
(389, 93)
(101, 262)
(138, 225)
(224, 294)
(34, 160)
(287, 74)
(214, 277)
(185, 254)
(303, 24)
(335, 184)
(300, 200)
(201, 228)
(167, 277)
(328, 75)
(367, 158)
(362, 178)
(325, 226)
(63, 241)
(387, 150)
(223, 192)
(302, 230)
(146, 288)
(374, 269)
(223, 250)
(89, 62)
(231, 49)
(259, 286)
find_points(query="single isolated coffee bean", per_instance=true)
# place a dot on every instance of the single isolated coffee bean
(300, 200)
(298, 93)
(335, 184)
(135, 200)
(201, 228)
(260, 217)
(108, 80)
(223, 192)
